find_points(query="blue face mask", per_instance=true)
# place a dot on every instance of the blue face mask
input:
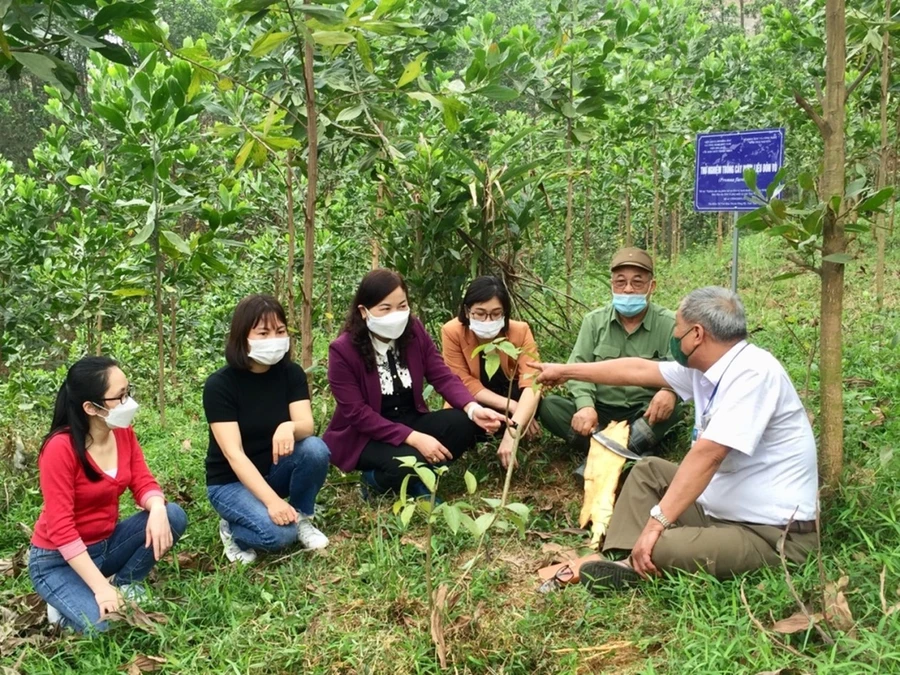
(629, 305)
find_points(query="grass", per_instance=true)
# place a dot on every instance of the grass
(360, 606)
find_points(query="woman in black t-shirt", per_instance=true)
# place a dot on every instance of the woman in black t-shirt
(264, 467)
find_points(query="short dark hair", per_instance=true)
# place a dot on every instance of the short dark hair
(375, 287)
(483, 289)
(247, 315)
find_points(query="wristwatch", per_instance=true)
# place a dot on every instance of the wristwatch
(657, 514)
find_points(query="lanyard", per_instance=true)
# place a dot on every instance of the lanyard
(705, 416)
(722, 377)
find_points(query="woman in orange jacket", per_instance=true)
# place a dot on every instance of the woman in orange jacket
(483, 317)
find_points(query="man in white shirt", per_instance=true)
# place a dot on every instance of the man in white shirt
(751, 471)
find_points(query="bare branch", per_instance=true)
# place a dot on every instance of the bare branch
(802, 264)
(790, 583)
(824, 128)
(859, 78)
(762, 629)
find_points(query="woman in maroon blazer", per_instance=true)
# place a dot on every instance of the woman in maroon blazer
(377, 369)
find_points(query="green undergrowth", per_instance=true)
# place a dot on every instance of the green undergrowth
(361, 607)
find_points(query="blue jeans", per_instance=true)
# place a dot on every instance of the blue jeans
(298, 477)
(122, 556)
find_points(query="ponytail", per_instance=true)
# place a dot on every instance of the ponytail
(86, 382)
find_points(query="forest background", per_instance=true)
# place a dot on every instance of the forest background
(160, 160)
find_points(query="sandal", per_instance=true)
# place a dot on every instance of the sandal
(601, 575)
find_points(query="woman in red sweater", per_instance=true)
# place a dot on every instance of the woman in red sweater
(83, 562)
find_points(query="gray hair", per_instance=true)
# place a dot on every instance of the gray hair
(718, 310)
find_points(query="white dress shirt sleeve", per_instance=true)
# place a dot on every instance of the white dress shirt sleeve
(681, 379)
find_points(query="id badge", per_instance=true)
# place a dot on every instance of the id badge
(704, 422)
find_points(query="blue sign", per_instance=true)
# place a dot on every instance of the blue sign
(722, 158)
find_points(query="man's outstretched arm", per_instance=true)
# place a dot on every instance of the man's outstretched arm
(616, 372)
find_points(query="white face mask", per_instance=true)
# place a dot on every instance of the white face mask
(270, 351)
(487, 330)
(390, 326)
(122, 415)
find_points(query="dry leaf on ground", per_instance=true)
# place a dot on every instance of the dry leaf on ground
(144, 664)
(878, 418)
(796, 623)
(837, 610)
(783, 671)
(137, 617)
(192, 560)
(406, 539)
(555, 553)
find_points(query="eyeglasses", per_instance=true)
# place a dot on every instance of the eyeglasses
(481, 315)
(129, 392)
(637, 285)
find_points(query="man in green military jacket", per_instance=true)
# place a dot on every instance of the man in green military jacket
(630, 325)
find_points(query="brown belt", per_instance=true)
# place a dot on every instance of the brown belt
(802, 527)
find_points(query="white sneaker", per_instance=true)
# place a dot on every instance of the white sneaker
(232, 551)
(309, 535)
(134, 592)
(54, 618)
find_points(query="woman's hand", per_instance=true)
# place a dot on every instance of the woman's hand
(504, 452)
(159, 532)
(282, 513)
(109, 599)
(283, 441)
(489, 420)
(534, 430)
(429, 447)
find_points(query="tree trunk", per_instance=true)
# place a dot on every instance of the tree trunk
(98, 327)
(654, 224)
(741, 10)
(312, 180)
(570, 190)
(832, 411)
(291, 300)
(158, 290)
(587, 207)
(379, 214)
(880, 226)
(720, 232)
(629, 233)
(329, 299)
(173, 338)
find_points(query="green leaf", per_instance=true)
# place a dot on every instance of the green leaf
(147, 230)
(471, 482)
(75, 180)
(839, 258)
(491, 364)
(806, 181)
(452, 516)
(498, 92)
(411, 71)
(348, 114)
(365, 52)
(282, 142)
(786, 275)
(266, 43)
(115, 119)
(118, 11)
(520, 510)
(324, 14)
(876, 200)
(130, 292)
(483, 522)
(493, 502)
(241, 158)
(508, 348)
(855, 187)
(177, 242)
(426, 475)
(750, 179)
(252, 5)
(49, 69)
(330, 38)
(469, 523)
(407, 514)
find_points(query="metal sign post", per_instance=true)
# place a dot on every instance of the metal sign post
(722, 158)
